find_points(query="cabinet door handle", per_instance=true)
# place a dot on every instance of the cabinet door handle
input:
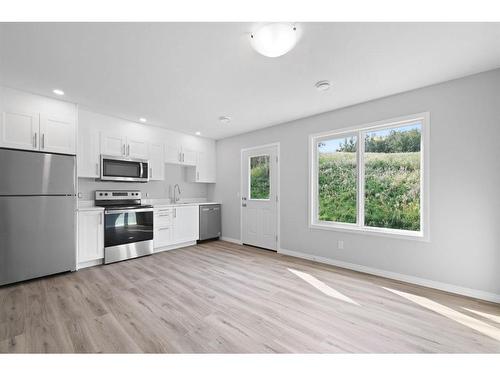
(43, 140)
(151, 172)
(183, 157)
(123, 152)
(100, 218)
(97, 169)
(34, 140)
(180, 157)
(197, 176)
(175, 213)
(128, 150)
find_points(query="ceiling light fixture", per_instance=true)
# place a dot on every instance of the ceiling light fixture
(58, 92)
(322, 85)
(142, 119)
(225, 119)
(197, 133)
(274, 39)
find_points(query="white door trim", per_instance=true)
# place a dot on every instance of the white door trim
(278, 189)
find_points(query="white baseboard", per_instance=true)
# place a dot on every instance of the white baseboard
(90, 263)
(474, 293)
(233, 240)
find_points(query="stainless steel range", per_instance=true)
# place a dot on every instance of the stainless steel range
(128, 224)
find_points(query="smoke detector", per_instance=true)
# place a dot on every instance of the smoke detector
(322, 85)
(225, 119)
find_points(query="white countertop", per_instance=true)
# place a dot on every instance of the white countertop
(88, 205)
(182, 204)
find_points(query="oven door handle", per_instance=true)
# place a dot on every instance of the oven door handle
(127, 211)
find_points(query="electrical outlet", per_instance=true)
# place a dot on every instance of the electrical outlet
(340, 244)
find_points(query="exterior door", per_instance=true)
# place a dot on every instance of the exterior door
(259, 197)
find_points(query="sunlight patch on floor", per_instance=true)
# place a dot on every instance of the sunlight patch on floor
(321, 286)
(458, 317)
(494, 318)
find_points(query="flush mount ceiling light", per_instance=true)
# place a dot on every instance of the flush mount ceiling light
(225, 119)
(58, 92)
(198, 133)
(142, 119)
(274, 39)
(322, 85)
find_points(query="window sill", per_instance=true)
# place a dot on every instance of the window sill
(352, 228)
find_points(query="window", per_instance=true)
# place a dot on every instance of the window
(260, 187)
(371, 178)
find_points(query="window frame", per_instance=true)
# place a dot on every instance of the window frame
(360, 131)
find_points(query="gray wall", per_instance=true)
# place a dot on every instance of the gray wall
(174, 174)
(464, 247)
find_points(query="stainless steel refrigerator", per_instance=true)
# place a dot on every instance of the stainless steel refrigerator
(37, 214)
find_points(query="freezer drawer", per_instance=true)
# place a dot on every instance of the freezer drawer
(210, 221)
(37, 237)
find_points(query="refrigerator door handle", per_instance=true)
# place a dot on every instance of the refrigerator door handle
(34, 140)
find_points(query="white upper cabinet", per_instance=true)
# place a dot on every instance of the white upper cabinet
(204, 172)
(116, 144)
(19, 130)
(106, 135)
(113, 144)
(89, 162)
(189, 156)
(137, 148)
(156, 162)
(179, 149)
(38, 131)
(36, 123)
(57, 134)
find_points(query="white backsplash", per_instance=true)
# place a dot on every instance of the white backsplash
(174, 174)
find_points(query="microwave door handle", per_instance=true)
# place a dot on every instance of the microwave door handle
(142, 170)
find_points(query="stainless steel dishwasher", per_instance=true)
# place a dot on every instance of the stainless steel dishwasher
(210, 221)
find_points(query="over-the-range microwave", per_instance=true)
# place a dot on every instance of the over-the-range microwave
(116, 168)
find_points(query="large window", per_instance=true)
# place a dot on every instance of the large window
(371, 178)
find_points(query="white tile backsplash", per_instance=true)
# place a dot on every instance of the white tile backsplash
(174, 174)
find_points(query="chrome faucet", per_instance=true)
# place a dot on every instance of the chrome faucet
(175, 197)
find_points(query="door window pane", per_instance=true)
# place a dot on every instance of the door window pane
(337, 179)
(392, 177)
(260, 186)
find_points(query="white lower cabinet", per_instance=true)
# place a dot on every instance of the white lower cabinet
(185, 224)
(162, 235)
(175, 225)
(90, 237)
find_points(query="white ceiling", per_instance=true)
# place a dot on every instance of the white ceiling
(183, 76)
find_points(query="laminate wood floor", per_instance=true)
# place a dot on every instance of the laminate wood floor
(219, 297)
